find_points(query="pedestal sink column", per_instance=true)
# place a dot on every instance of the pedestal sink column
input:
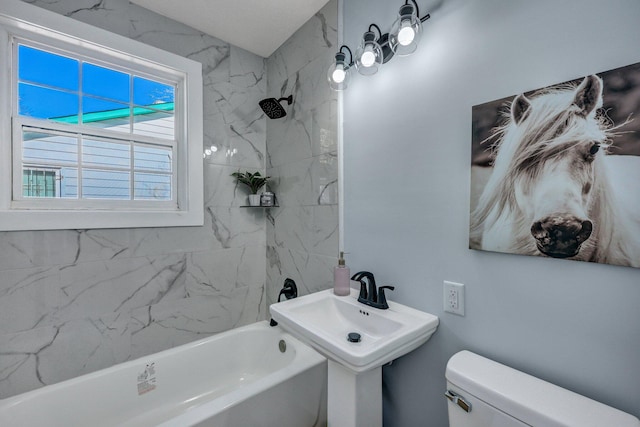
(354, 399)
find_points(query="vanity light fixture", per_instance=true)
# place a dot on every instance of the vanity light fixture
(372, 52)
(340, 71)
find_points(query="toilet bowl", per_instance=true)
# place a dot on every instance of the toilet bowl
(484, 393)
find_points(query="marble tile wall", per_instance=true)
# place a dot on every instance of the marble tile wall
(302, 234)
(75, 301)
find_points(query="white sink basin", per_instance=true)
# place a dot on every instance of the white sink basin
(324, 321)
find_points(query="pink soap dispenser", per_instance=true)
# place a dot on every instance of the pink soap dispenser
(341, 275)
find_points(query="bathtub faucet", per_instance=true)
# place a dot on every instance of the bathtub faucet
(289, 290)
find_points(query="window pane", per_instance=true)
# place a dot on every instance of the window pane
(152, 186)
(43, 103)
(157, 159)
(147, 92)
(46, 68)
(102, 184)
(39, 183)
(40, 148)
(105, 82)
(50, 183)
(103, 153)
(155, 123)
(69, 183)
(105, 114)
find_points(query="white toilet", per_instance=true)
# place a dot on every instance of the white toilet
(484, 393)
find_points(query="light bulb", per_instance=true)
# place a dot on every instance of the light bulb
(207, 152)
(339, 74)
(368, 58)
(368, 55)
(406, 33)
(214, 148)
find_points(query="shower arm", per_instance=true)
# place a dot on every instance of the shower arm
(289, 99)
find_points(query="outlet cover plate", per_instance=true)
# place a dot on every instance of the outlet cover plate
(453, 301)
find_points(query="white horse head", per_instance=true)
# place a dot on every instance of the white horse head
(548, 193)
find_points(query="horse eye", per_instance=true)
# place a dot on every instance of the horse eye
(594, 149)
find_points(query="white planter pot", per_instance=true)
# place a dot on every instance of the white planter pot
(254, 200)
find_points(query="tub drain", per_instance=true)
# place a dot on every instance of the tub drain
(282, 346)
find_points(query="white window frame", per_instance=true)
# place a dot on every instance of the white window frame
(19, 20)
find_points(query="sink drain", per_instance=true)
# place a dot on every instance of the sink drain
(353, 337)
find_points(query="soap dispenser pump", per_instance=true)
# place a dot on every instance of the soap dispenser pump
(341, 274)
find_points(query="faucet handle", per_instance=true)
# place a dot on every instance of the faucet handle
(382, 299)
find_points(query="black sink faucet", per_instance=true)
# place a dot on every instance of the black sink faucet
(373, 297)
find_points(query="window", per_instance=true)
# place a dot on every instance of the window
(40, 183)
(95, 137)
(124, 138)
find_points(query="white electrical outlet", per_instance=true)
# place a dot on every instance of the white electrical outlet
(453, 297)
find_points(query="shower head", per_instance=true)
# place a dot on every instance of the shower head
(272, 107)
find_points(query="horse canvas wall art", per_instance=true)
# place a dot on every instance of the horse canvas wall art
(556, 171)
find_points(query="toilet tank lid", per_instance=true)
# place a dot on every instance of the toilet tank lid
(527, 398)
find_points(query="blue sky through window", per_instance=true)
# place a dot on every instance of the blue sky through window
(105, 83)
(49, 87)
(48, 69)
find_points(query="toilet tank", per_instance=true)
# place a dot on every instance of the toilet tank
(498, 396)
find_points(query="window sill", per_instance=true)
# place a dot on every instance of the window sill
(82, 220)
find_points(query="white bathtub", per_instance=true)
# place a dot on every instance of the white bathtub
(236, 378)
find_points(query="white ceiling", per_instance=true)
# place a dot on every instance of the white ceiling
(259, 26)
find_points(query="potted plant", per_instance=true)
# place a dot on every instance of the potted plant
(255, 181)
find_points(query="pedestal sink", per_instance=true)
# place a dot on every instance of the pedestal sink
(324, 321)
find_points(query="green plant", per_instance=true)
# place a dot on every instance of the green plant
(254, 181)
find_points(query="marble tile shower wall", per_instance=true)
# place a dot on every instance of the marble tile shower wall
(302, 234)
(72, 302)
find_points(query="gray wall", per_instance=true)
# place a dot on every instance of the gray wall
(407, 134)
(302, 234)
(74, 301)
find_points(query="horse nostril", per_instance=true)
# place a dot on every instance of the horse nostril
(538, 231)
(536, 227)
(585, 232)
